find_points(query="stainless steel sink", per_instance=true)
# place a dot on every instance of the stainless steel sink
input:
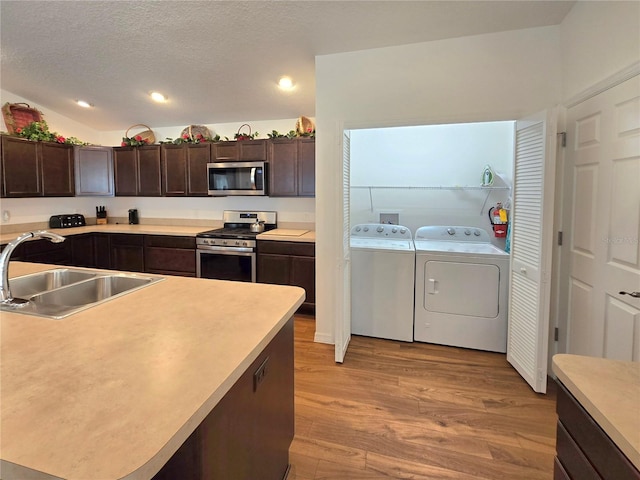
(61, 292)
(28, 285)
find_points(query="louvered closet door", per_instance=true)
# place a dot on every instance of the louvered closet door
(343, 323)
(532, 214)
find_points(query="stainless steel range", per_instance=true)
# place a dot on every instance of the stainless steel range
(229, 253)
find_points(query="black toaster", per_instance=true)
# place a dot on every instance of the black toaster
(67, 221)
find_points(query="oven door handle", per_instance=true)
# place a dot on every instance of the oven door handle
(242, 251)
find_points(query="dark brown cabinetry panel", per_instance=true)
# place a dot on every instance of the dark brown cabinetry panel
(127, 252)
(125, 171)
(94, 171)
(583, 449)
(137, 171)
(292, 167)
(248, 150)
(288, 263)
(44, 251)
(184, 169)
(83, 250)
(170, 255)
(35, 169)
(58, 178)
(248, 433)
(307, 167)
(149, 184)
(103, 250)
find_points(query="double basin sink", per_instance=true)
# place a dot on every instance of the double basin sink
(61, 292)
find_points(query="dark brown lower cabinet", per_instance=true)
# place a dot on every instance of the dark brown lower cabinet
(288, 263)
(248, 434)
(583, 450)
(44, 251)
(83, 250)
(127, 252)
(170, 255)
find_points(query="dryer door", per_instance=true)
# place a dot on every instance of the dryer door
(462, 288)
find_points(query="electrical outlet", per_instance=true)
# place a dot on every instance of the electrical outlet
(259, 374)
(6, 216)
(390, 218)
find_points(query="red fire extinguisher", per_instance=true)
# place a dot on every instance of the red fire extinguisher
(498, 219)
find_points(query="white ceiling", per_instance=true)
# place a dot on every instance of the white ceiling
(217, 61)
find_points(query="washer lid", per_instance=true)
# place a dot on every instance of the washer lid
(472, 248)
(382, 244)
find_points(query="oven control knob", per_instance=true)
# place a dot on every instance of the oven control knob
(244, 244)
(451, 231)
(224, 242)
(237, 243)
(380, 229)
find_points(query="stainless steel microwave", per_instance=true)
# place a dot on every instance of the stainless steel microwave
(237, 178)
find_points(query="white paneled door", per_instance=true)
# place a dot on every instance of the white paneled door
(603, 162)
(531, 248)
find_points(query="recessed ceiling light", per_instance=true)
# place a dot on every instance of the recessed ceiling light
(285, 83)
(83, 104)
(158, 97)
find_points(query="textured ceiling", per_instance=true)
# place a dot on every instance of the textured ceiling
(217, 61)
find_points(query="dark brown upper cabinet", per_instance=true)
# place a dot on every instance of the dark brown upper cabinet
(292, 167)
(184, 169)
(233, 151)
(36, 169)
(137, 171)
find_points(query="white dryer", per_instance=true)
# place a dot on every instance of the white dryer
(461, 288)
(382, 276)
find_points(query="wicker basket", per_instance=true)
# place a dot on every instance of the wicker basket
(193, 130)
(240, 136)
(304, 126)
(145, 135)
(19, 115)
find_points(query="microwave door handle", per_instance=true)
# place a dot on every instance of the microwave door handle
(253, 178)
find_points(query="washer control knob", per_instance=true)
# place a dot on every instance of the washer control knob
(467, 232)
(394, 230)
(358, 229)
(366, 229)
(451, 231)
(476, 233)
(403, 230)
(380, 229)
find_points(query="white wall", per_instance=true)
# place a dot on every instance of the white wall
(598, 40)
(29, 210)
(429, 156)
(501, 76)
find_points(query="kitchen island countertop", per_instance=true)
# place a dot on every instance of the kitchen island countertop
(609, 390)
(113, 391)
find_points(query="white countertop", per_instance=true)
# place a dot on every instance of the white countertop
(113, 391)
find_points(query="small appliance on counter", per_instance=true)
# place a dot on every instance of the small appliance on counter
(67, 220)
(101, 215)
(133, 216)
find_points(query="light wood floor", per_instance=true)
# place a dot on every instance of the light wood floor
(415, 411)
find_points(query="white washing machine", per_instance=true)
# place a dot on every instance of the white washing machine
(461, 288)
(382, 276)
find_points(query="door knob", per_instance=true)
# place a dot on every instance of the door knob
(631, 294)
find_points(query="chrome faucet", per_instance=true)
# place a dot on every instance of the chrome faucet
(5, 292)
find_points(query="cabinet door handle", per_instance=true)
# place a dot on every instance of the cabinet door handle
(631, 294)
